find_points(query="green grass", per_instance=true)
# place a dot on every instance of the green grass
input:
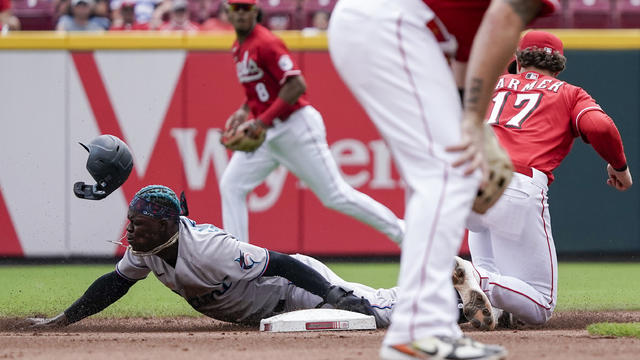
(376, 275)
(615, 329)
(598, 286)
(47, 290)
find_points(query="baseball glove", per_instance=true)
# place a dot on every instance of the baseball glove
(500, 173)
(346, 300)
(243, 135)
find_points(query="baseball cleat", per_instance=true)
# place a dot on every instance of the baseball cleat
(507, 320)
(443, 348)
(475, 303)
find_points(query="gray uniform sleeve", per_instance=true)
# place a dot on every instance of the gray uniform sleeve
(233, 260)
(132, 267)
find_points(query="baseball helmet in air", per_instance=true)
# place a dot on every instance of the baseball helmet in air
(109, 163)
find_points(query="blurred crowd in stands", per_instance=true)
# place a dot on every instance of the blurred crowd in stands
(185, 15)
(210, 15)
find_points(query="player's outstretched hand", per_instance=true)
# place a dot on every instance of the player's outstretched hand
(620, 180)
(57, 321)
(471, 147)
(346, 300)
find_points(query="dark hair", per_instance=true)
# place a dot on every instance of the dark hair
(538, 58)
(157, 201)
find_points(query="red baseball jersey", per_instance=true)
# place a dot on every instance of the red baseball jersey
(462, 19)
(263, 64)
(536, 118)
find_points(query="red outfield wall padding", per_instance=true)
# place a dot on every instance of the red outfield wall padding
(287, 216)
(9, 242)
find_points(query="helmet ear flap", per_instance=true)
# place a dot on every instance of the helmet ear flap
(110, 162)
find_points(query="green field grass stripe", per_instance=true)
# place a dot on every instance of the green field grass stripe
(376, 275)
(615, 329)
(598, 286)
(47, 290)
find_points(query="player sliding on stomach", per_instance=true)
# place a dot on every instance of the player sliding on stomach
(218, 275)
(536, 118)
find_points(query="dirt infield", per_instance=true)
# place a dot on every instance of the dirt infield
(564, 337)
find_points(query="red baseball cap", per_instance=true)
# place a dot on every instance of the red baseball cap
(250, 2)
(540, 39)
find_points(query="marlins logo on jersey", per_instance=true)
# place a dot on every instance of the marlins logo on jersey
(246, 260)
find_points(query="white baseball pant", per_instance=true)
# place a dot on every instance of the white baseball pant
(396, 69)
(300, 145)
(513, 251)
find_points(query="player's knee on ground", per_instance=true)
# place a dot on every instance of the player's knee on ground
(538, 317)
(522, 307)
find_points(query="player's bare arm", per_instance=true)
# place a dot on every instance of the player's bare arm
(499, 31)
(526, 9)
(292, 89)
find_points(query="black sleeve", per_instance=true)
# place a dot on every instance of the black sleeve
(299, 274)
(106, 290)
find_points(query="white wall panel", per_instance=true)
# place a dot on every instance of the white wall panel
(140, 85)
(32, 147)
(91, 223)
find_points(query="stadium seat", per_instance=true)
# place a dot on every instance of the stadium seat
(590, 14)
(557, 20)
(34, 14)
(201, 10)
(628, 13)
(313, 6)
(279, 14)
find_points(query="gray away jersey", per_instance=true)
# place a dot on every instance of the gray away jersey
(218, 275)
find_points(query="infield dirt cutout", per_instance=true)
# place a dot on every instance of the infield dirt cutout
(564, 337)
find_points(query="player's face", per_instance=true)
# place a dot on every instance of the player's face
(242, 16)
(144, 233)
